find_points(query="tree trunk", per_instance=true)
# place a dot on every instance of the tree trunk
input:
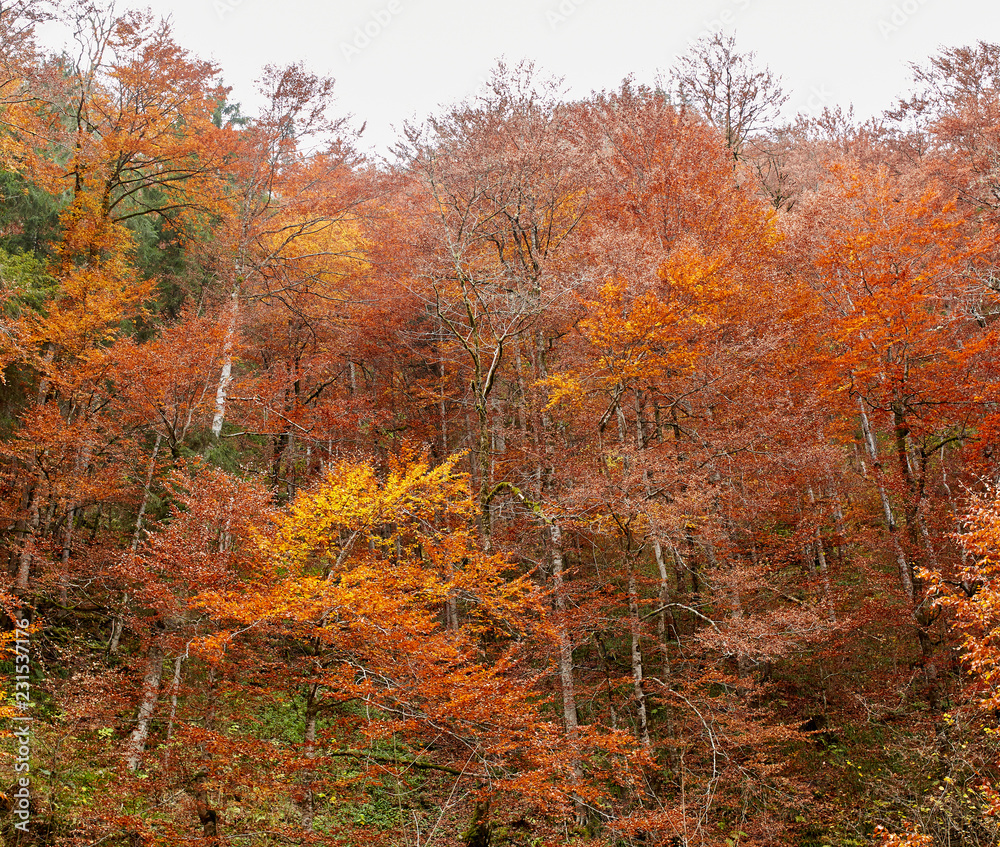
(919, 611)
(635, 632)
(565, 642)
(307, 805)
(118, 624)
(661, 615)
(28, 544)
(226, 376)
(147, 703)
(175, 685)
(824, 573)
(905, 570)
(207, 816)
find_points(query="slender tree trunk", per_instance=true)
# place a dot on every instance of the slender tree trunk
(661, 615)
(824, 573)
(451, 612)
(484, 463)
(226, 376)
(932, 559)
(137, 532)
(665, 624)
(913, 469)
(175, 685)
(443, 411)
(118, 624)
(28, 545)
(147, 703)
(920, 616)
(566, 679)
(565, 642)
(905, 570)
(635, 632)
(80, 462)
(307, 806)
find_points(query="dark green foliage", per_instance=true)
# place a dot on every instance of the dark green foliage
(25, 283)
(29, 217)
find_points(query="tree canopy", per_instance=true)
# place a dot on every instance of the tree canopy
(609, 471)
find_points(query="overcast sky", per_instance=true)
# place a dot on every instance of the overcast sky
(398, 59)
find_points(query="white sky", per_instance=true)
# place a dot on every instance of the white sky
(420, 54)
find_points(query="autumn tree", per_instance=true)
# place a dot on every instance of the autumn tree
(965, 801)
(501, 194)
(899, 275)
(950, 120)
(348, 584)
(504, 196)
(727, 89)
(289, 208)
(657, 435)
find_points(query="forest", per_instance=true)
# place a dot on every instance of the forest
(606, 471)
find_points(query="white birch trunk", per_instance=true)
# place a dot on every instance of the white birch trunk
(565, 642)
(905, 575)
(175, 686)
(226, 376)
(640, 694)
(28, 546)
(147, 704)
